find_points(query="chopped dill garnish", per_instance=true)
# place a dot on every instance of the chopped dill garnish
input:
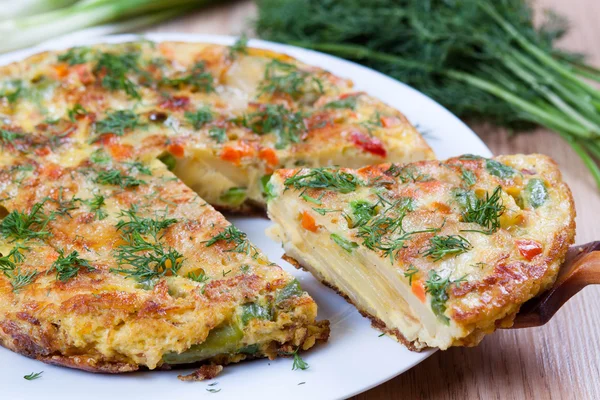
(199, 118)
(118, 122)
(198, 79)
(75, 55)
(299, 363)
(233, 235)
(11, 90)
(8, 266)
(113, 68)
(199, 277)
(143, 226)
(288, 126)
(138, 167)
(348, 102)
(468, 177)
(8, 137)
(362, 212)
(95, 204)
(118, 178)
(76, 111)
(239, 47)
(146, 257)
(410, 273)
(63, 206)
(100, 157)
(345, 244)
(67, 267)
(34, 375)
(286, 78)
(485, 212)
(408, 173)
(384, 232)
(324, 211)
(324, 178)
(442, 246)
(437, 287)
(18, 225)
(217, 134)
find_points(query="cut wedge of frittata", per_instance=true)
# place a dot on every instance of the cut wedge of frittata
(436, 253)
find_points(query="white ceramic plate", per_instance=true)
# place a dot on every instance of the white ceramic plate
(354, 360)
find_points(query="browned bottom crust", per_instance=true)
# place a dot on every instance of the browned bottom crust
(375, 322)
(23, 344)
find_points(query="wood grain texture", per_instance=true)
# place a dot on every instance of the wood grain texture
(560, 360)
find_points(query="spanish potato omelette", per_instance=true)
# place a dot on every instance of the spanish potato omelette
(436, 253)
(110, 260)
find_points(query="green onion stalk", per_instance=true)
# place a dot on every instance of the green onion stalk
(31, 21)
(484, 60)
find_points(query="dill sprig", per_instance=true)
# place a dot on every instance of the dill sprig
(217, 134)
(34, 375)
(19, 225)
(68, 267)
(96, 205)
(200, 117)
(410, 273)
(75, 55)
(437, 287)
(114, 69)
(385, 232)
(345, 103)
(485, 212)
(288, 126)
(146, 258)
(9, 267)
(118, 122)
(144, 226)
(324, 178)
(8, 137)
(442, 246)
(117, 178)
(282, 77)
(239, 47)
(197, 79)
(233, 235)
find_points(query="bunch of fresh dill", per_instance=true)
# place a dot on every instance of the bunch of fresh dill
(483, 59)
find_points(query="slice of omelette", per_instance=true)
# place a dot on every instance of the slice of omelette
(222, 118)
(111, 266)
(436, 253)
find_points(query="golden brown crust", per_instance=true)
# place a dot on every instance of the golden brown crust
(202, 373)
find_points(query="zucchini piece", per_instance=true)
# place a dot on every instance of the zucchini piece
(500, 170)
(223, 339)
(169, 160)
(536, 192)
(251, 311)
(291, 289)
(233, 196)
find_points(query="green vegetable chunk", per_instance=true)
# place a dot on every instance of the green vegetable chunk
(344, 243)
(536, 192)
(291, 289)
(362, 211)
(500, 170)
(169, 160)
(221, 340)
(267, 188)
(255, 311)
(233, 196)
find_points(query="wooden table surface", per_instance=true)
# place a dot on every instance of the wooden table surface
(560, 360)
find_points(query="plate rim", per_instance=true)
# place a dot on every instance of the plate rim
(81, 38)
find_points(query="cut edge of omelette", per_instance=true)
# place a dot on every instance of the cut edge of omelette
(436, 253)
